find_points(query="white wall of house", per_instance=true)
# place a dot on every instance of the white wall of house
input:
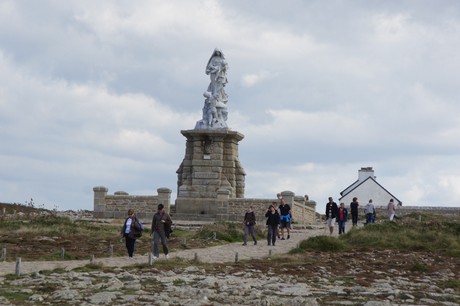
(369, 189)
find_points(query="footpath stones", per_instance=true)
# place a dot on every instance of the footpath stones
(195, 285)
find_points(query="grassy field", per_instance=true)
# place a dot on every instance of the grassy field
(414, 247)
(416, 232)
(41, 236)
(35, 234)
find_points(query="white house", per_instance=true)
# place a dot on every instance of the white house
(365, 188)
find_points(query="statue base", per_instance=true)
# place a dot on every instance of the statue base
(210, 172)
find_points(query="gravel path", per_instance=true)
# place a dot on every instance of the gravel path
(217, 254)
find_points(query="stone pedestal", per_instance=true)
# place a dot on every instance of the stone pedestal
(210, 169)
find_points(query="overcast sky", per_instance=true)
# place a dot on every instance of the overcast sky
(95, 93)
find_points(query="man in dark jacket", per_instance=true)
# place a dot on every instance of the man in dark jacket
(354, 211)
(160, 221)
(249, 222)
(331, 214)
(273, 221)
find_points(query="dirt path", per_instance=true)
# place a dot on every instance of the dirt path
(217, 254)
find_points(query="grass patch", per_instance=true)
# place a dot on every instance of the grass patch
(54, 271)
(227, 231)
(418, 267)
(90, 267)
(450, 283)
(435, 235)
(347, 280)
(321, 244)
(179, 282)
(15, 296)
(432, 236)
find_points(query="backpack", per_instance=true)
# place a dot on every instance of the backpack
(136, 229)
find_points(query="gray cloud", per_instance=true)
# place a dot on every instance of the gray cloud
(96, 93)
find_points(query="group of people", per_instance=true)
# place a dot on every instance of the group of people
(161, 227)
(339, 214)
(279, 217)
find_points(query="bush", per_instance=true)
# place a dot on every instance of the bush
(431, 236)
(322, 244)
(227, 231)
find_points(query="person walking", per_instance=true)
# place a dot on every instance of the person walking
(276, 206)
(370, 212)
(159, 221)
(285, 218)
(331, 214)
(391, 208)
(342, 216)
(131, 230)
(354, 207)
(273, 221)
(249, 223)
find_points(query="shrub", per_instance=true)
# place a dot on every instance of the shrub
(322, 244)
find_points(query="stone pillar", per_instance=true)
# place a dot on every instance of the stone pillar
(210, 165)
(99, 201)
(164, 197)
(288, 197)
(312, 204)
(299, 199)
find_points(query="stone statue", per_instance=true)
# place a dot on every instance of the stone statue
(215, 105)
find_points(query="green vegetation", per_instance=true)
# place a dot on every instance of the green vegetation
(227, 231)
(322, 244)
(44, 237)
(15, 296)
(179, 282)
(89, 267)
(435, 234)
(451, 283)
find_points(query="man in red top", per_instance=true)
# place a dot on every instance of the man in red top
(342, 218)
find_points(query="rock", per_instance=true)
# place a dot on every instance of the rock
(103, 298)
(66, 294)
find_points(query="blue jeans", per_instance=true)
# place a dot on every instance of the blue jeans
(342, 227)
(370, 218)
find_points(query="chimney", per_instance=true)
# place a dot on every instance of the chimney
(365, 172)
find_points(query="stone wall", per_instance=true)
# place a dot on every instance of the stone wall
(302, 210)
(117, 205)
(381, 211)
(226, 208)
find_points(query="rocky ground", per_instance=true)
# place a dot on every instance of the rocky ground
(241, 275)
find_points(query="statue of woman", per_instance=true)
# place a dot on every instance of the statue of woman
(215, 105)
(217, 70)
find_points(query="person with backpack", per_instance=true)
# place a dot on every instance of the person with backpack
(285, 218)
(131, 230)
